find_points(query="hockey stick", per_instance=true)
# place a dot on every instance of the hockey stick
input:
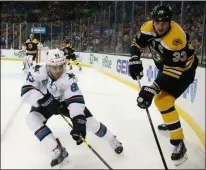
(88, 145)
(154, 133)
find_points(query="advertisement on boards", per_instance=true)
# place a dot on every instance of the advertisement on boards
(13, 53)
(106, 62)
(93, 59)
(19, 53)
(122, 66)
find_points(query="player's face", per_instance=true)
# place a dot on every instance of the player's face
(31, 36)
(161, 27)
(56, 71)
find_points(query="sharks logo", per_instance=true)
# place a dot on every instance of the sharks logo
(36, 68)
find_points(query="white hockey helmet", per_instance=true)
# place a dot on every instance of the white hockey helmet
(55, 58)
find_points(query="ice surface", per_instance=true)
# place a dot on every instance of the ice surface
(112, 103)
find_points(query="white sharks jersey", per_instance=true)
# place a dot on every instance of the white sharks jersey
(65, 89)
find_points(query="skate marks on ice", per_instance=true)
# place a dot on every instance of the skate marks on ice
(11, 79)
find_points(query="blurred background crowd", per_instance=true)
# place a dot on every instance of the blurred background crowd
(101, 27)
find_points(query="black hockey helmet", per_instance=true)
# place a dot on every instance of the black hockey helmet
(162, 13)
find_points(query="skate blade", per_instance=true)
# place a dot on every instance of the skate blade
(119, 154)
(182, 160)
(164, 133)
(62, 165)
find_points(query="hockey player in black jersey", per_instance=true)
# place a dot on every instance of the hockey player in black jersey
(70, 55)
(174, 56)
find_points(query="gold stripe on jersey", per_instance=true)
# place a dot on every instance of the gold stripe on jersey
(188, 65)
(175, 39)
(190, 57)
(172, 70)
(190, 46)
(169, 73)
(135, 44)
(147, 28)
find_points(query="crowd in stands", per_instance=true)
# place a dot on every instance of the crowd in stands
(110, 29)
(106, 34)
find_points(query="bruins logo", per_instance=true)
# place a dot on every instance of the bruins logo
(30, 46)
(66, 51)
(176, 42)
(156, 57)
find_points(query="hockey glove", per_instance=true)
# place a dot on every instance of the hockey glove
(145, 97)
(64, 110)
(135, 68)
(79, 128)
(50, 103)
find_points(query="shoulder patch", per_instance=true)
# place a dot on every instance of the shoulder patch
(36, 68)
(177, 42)
(70, 75)
(175, 39)
(74, 87)
(39, 71)
(35, 41)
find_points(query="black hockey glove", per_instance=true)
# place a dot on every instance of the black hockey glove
(79, 128)
(64, 110)
(145, 97)
(135, 68)
(50, 103)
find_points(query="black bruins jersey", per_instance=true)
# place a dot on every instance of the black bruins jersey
(67, 49)
(31, 45)
(172, 53)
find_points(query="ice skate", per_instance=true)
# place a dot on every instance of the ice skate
(59, 154)
(116, 145)
(179, 154)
